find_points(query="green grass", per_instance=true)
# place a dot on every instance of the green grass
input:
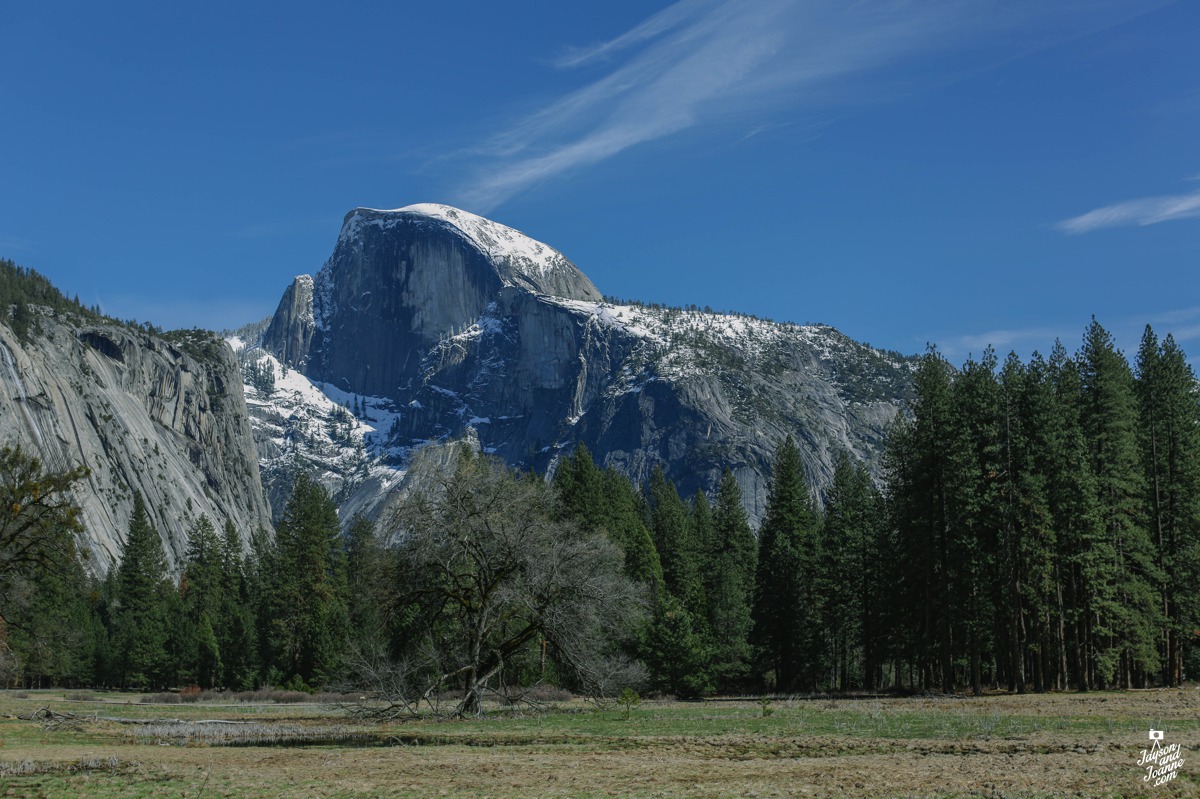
(708, 749)
(865, 719)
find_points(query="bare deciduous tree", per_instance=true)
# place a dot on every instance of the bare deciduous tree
(487, 567)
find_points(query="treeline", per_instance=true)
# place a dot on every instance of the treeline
(284, 611)
(1044, 523)
(1036, 527)
(22, 288)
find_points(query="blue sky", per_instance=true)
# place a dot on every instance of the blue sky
(962, 172)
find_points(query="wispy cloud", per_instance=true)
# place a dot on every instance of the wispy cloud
(11, 244)
(1142, 211)
(958, 348)
(704, 62)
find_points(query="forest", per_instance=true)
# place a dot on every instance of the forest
(1035, 527)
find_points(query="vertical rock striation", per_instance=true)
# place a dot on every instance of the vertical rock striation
(160, 416)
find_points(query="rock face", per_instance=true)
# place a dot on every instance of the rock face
(291, 329)
(401, 282)
(161, 416)
(429, 322)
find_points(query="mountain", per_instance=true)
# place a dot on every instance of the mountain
(428, 324)
(161, 415)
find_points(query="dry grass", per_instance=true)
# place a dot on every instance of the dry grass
(1057, 745)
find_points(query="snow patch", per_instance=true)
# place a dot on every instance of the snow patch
(526, 257)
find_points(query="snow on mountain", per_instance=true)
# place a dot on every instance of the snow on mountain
(447, 325)
(498, 241)
(301, 423)
(683, 342)
(520, 260)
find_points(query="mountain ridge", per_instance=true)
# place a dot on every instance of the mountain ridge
(535, 370)
(413, 335)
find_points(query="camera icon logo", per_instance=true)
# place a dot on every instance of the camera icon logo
(1156, 735)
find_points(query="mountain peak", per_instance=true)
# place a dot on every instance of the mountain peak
(519, 260)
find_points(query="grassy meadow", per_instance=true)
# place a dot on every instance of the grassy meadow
(1002, 745)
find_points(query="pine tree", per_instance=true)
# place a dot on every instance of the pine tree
(678, 551)
(851, 573)
(626, 525)
(787, 609)
(678, 655)
(606, 500)
(53, 629)
(580, 486)
(729, 584)
(263, 581)
(308, 621)
(1128, 619)
(47, 629)
(144, 606)
(980, 585)
(236, 630)
(1031, 537)
(1081, 551)
(924, 461)
(366, 584)
(202, 587)
(1169, 433)
(701, 534)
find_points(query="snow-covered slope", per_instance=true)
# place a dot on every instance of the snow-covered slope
(685, 342)
(531, 258)
(339, 438)
(518, 260)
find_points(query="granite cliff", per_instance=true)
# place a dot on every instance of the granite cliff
(158, 415)
(428, 323)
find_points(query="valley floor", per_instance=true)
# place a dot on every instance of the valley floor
(1031, 745)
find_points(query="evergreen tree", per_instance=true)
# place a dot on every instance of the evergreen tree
(678, 655)
(852, 575)
(729, 584)
(236, 628)
(979, 585)
(202, 588)
(787, 607)
(924, 461)
(626, 525)
(702, 535)
(1169, 429)
(678, 551)
(366, 584)
(1075, 515)
(308, 620)
(1127, 620)
(40, 524)
(53, 629)
(144, 603)
(47, 632)
(606, 500)
(1030, 542)
(263, 579)
(580, 486)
